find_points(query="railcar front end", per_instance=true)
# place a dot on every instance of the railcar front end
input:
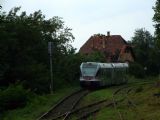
(88, 77)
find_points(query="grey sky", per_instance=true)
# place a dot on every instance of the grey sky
(88, 17)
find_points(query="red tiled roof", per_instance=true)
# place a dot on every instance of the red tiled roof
(105, 43)
(109, 44)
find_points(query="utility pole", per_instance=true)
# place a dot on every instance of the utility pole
(50, 45)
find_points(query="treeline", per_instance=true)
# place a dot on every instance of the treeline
(24, 54)
(24, 58)
(147, 48)
(23, 49)
(147, 54)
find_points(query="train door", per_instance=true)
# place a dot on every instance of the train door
(101, 77)
(120, 75)
(112, 76)
(108, 74)
(125, 71)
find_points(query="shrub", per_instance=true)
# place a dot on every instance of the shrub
(137, 70)
(13, 97)
(36, 78)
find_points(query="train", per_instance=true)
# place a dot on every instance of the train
(95, 74)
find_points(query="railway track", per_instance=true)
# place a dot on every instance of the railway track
(66, 109)
(132, 107)
(89, 110)
(63, 108)
(125, 91)
(86, 111)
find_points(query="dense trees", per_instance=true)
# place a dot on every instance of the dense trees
(147, 56)
(24, 58)
(23, 48)
(143, 42)
(24, 51)
(156, 19)
(147, 48)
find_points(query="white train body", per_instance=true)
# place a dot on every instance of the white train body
(95, 74)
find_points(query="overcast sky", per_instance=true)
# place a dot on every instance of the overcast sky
(88, 17)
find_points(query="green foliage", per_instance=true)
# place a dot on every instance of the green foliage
(146, 53)
(13, 97)
(156, 19)
(143, 39)
(137, 70)
(96, 56)
(24, 48)
(143, 42)
(37, 78)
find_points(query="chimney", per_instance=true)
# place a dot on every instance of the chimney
(108, 33)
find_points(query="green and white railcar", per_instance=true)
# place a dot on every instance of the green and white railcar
(94, 74)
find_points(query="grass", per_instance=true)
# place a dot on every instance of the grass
(147, 105)
(96, 96)
(143, 95)
(107, 114)
(37, 106)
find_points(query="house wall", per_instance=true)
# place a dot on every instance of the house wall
(126, 57)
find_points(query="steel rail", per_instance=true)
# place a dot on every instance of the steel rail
(90, 109)
(55, 111)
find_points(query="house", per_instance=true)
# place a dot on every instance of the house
(114, 47)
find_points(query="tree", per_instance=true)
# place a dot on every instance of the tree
(145, 51)
(23, 47)
(142, 43)
(95, 56)
(156, 19)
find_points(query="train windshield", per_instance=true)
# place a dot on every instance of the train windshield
(89, 70)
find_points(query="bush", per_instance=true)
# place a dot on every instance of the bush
(137, 70)
(13, 97)
(37, 78)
